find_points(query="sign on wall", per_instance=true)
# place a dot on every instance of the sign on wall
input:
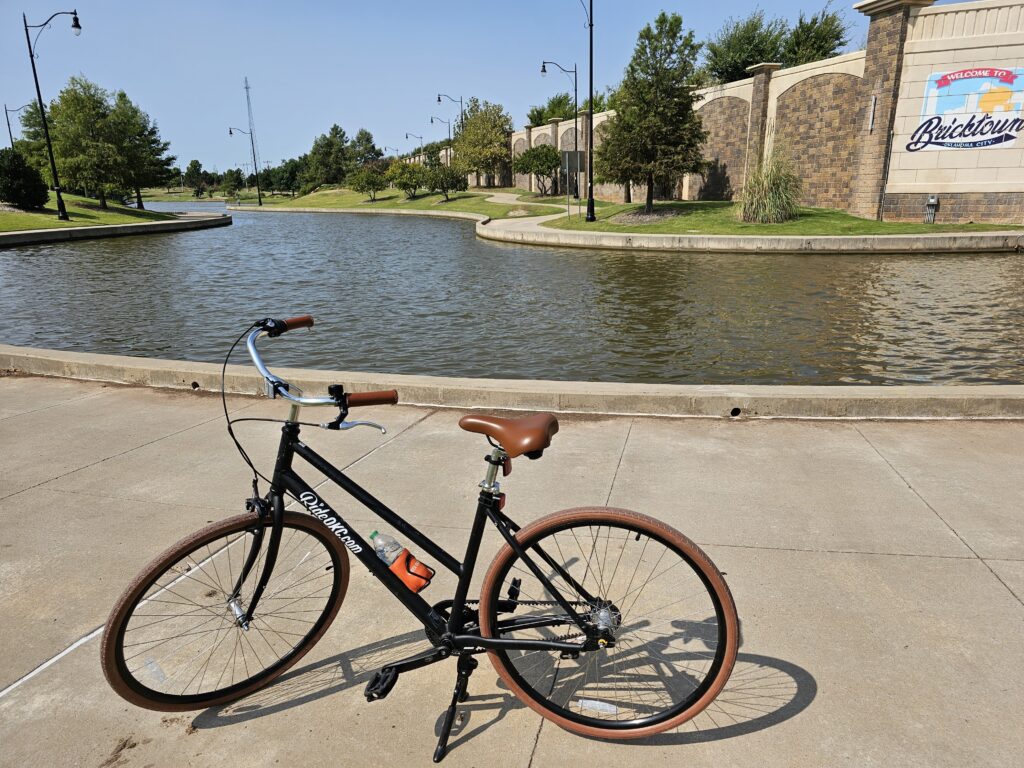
(971, 109)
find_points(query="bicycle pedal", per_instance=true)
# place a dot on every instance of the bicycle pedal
(380, 684)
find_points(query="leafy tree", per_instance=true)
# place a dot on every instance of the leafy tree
(821, 36)
(232, 181)
(407, 177)
(144, 161)
(330, 158)
(446, 179)
(655, 136)
(32, 144)
(482, 144)
(363, 150)
(194, 175)
(368, 180)
(290, 173)
(541, 161)
(560, 105)
(86, 140)
(742, 43)
(20, 183)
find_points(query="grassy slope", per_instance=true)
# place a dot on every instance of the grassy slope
(391, 198)
(717, 218)
(83, 211)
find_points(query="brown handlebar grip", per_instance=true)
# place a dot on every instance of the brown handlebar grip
(388, 397)
(302, 321)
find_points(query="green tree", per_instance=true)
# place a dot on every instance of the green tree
(446, 179)
(86, 140)
(407, 177)
(32, 144)
(655, 136)
(363, 150)
(541, 161)
(194, 175)
(560, 105)
(330, 158)
(144, 161)
(741, 43)
(821, 36)
(482, 144)
(368, 180)
(20, 183)
(233, 181)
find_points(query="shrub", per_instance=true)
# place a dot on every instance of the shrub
(446, 179)
(368, 180)
(20, 183)
(408, 177)
(771, 192)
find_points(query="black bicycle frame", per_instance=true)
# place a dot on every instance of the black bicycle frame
(452, 630)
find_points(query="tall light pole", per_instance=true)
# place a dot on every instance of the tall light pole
(462, 112)
(62, 212)
(7, 115)
(407, 135)
(449, 124)
(256, 168)
(590, 118)
(575, 119)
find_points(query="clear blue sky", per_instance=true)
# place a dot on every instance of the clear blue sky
(377, 65)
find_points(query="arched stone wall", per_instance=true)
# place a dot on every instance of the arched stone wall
(725, 119)
(817, 125)
(565, 139)
(541, 138)
(521, 180)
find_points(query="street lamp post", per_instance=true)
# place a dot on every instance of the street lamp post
(62, 212)
(462, 112)
(256, 168)
(7, 115)
(407, 135)
(385, 148)
(449, 124)
(590, 119)
(575, 119)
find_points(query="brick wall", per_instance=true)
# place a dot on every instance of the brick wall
(725, 120)
(958, 207)
(817, 126)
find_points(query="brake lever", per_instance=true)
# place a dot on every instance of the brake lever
(352, 425)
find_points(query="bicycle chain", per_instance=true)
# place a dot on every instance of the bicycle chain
(558, 638)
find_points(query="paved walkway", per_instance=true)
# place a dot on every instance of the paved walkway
(878, 568)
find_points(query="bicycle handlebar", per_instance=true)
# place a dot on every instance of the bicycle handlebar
(275, 385)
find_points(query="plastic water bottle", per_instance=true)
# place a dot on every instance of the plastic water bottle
(414, 574)
(387, 547)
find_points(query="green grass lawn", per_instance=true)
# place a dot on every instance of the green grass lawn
(84, 212)
(533, 197)
(719, 218)
(468, 202)
(174, 196)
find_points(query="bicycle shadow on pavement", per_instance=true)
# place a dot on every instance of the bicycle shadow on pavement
(762, 692)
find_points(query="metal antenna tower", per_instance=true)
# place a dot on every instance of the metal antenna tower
(252, 126)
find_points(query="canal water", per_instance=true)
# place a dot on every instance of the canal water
(425, 296)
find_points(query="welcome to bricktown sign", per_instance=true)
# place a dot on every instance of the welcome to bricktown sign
(971, 109)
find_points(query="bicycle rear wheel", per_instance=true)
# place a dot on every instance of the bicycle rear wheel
(663, 601)
(173, 641)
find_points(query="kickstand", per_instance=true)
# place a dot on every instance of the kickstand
(466, 666)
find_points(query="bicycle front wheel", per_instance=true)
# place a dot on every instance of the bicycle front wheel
(174, 641)
(669, 613)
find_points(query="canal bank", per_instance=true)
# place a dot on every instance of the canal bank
(529, 231)
(707, 401)
(185, 222)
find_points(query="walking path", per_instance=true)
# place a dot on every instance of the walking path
(878, 568)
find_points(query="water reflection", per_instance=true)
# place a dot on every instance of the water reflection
(425, 296)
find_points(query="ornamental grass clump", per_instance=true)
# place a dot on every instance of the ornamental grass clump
(771, 193)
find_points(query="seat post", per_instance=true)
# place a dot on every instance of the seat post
(490, 484)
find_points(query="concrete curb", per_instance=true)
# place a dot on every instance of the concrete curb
(185, 223)
(478, 217)
(982, 242)
(820, 402)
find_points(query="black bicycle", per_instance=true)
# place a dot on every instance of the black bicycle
(605, 621)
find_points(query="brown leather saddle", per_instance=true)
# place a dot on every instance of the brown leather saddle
(528, 435)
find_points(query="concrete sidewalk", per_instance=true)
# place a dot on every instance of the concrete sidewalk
(878, 568)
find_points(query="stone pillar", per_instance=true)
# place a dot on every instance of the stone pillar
(554, 123)
(883, 69)
(757, 125)
(529, 145)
